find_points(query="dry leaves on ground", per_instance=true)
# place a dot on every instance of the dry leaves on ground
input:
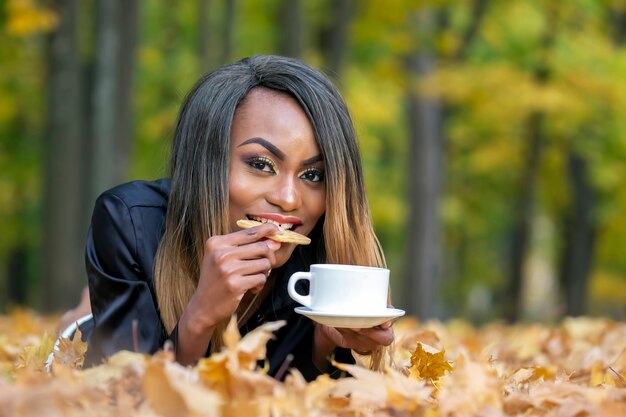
(576, 369)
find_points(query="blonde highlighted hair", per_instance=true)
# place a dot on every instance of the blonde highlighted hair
(198, 202)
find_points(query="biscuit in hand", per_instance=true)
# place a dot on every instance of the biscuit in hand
(287, 236)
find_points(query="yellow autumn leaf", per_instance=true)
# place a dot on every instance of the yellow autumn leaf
(373, 389)
(214, 373)
(232, 371)
(427, 365)
(35, 356)
(160, 394)
(71, 353)
(253, 346)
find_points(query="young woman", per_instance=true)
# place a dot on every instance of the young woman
(265, 138)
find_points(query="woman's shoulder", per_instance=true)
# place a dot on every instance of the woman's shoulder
(141, 193)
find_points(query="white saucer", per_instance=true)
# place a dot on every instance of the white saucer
(353, 321)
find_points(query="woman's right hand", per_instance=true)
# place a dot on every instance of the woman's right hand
(232, 264)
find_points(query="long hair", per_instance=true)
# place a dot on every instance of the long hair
(198, 205)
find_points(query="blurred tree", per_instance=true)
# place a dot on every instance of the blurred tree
(17, 291)
(62, 243)
(453, 46)
(477, 9)
(204, 36)
(228, 28)
(334, 37)
(21, 110)
(580, 220)
(579, 232)
(111, 111)
(427, 116)
(524, 203)
(425, 175)
(128, 28)
(290, 21)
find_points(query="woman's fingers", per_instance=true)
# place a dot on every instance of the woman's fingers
(253, 234)
(387, 324)
(360, 340)
(253, 283)
(232, 265)
(248, 267)
(256, 250)
(378, 335)
(252, 258)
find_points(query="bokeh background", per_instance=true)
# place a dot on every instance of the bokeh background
(492, 133)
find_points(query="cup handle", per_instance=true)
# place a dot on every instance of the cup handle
(291, 288)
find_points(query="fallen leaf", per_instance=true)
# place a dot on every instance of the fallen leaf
(428, 365)
(36, 356)
(71, 353)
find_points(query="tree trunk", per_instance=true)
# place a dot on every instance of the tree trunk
(104, 97)
(522, 218)
(62, 240)
(579, 238)
(479, 7)
(334, 39)
(204, 36)
(617, 18)
(227, 32)
(111, 95)
(128, 28)
(457, 254)
(17, 273)
(291, 22)
(525, 201)
(425, 181)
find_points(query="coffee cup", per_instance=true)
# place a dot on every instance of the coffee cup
(343, 289)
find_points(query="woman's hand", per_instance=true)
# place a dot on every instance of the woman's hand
(362, 341)
(232, 265)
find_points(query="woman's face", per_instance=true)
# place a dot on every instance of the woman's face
(276, 168)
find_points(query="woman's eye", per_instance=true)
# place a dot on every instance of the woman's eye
(262, 164)
(313, 175)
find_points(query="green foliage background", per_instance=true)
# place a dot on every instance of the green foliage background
(491, 90)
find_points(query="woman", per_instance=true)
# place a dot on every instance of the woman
(265, 138)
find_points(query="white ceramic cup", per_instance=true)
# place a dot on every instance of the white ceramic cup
(343, 289)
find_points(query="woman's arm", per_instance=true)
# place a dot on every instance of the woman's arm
(192, 339)
(323, 348)
(119, 272)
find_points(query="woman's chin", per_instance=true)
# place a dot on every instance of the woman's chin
(283, 254)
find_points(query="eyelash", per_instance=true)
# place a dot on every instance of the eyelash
(316, 171)
(256, 161)
(260, 163)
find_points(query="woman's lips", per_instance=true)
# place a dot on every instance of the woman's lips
(284, 222)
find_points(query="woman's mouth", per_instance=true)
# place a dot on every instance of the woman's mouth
(284, 226)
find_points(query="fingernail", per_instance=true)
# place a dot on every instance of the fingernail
(273, 245)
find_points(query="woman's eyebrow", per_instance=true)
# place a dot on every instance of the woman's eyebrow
(267, 145)
(313, 160)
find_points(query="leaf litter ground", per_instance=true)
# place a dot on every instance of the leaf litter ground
(575, 369)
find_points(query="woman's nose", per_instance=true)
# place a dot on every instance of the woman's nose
(286, 195)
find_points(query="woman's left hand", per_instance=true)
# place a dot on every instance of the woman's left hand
(363, 341)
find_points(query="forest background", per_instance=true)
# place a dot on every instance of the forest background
(493, 134)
